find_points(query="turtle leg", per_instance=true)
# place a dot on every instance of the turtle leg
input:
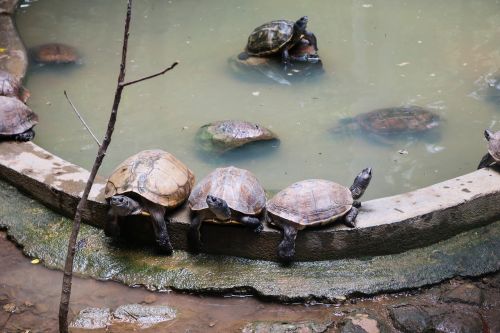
(312, 39)
(157, 213)
(285, 58)
(111, 228)
(286, 249)
(486, 161)
(356, 203)
(350, 217)
(25, 136)
(252, 222)
(194, 236)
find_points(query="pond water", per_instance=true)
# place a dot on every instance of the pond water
(438, 54)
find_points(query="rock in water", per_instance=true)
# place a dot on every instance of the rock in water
(221, 136)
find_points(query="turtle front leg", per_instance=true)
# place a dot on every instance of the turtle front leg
(350, 217)
(252, 222)
(286, 249)
(285, 58)
(312, 39)
(25, 136)
(111, 228)
(486, 161)
(157, 213)
(194, 236)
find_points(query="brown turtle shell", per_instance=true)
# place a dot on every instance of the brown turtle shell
(153, 174)
(409, 119)
(54, 53)
(15, 116)
(238, 187)
(311, 202)
(494, 146)
(270, 37)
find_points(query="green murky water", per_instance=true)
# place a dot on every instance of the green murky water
(437, 54)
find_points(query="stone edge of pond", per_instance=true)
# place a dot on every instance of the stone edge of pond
(384, 226)
(44, 234)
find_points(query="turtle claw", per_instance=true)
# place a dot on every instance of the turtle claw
(258, 229)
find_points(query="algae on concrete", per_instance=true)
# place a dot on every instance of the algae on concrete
(44, 235)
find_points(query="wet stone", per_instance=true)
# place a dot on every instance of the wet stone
(410, 318)
(466, 293)
(362, 323)
(92, 318)
(143, 315)
(458, 322)
(286, 327)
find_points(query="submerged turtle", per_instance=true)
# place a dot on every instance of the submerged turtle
(149, 183)
(16, 120)
(227, 195)
(391, 121)
(11, 86)
(314, 202)
(493, 155)
(308, 64)
(54, 53)
(277, 37)
(221, 136)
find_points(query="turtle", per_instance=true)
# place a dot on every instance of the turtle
(11, 86)
(314, 202)
(226, 195)
(148, 183)
(16, 120)
(54, 53)
(411, 119)
(493, 155)
(277, 37)
(224, 135)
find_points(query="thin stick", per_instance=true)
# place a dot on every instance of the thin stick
(81, 119)
(150, 76)
(68, 267)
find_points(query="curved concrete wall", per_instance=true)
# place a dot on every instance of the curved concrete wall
(387, 225)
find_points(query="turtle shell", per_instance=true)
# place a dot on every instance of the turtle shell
(494, 146)
(54, 53)
(9, 84)
(409, 119)
(270, 37)
(311, 202)
(15, 116)
(238, 187)
(153, 174)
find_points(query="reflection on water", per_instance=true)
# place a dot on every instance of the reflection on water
(435, 54)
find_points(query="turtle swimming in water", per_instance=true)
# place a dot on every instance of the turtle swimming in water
(391, 121)
(314, 202)
(16, 120)
(227, 195)
(54, 53)
(148, 183)
(221, 136)
(493, 155)
(278, 37)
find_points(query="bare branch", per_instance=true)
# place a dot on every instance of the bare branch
(150, 76)
(81, 119)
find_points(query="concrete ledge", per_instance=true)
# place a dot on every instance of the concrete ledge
(384, 226)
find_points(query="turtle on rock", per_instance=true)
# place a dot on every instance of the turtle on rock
(16, 120)
(279, 36)
(493, 155)
(148, 183)
(314, 202)
(226, 195)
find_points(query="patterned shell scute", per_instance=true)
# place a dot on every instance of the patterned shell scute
(402, 119)
(270, 37)
(15, 116)
(240, 188)
(494, 146)
(311, 202)
(153, 174)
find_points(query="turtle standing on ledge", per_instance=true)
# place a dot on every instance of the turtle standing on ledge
(493, 155)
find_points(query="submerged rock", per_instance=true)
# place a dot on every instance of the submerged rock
(410, 318)
(363, 321)
(221, 136)
(92, 318)
(465, 293)
(54, 53)
(286, 327)
(143, 315)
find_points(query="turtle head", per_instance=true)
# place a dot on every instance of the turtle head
(219, 207)
(488, 134)
(301, 23)
(124, 206)
(361, 182)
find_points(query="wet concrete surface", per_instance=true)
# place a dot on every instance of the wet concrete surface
(29, 300)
